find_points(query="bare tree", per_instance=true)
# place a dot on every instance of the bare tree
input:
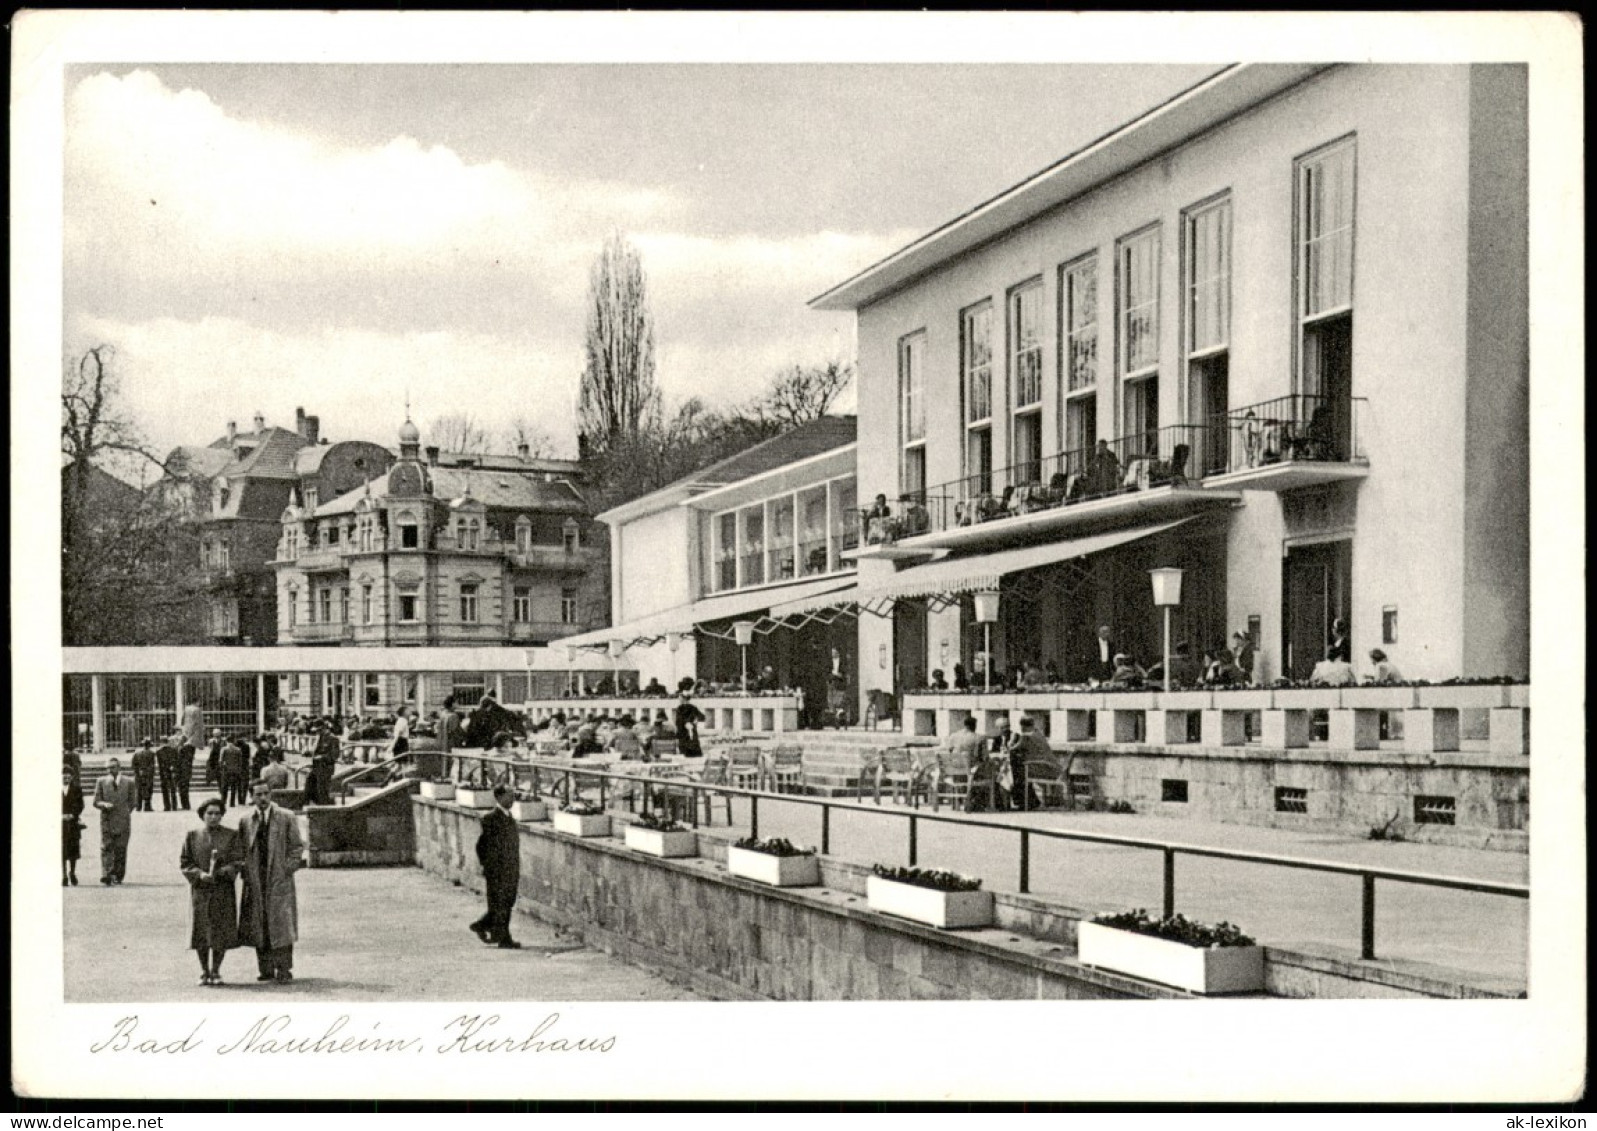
(129, 561)
(619, 397)
(803, 393)
(523, 430)
(457, 432)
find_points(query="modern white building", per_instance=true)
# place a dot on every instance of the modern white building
(1273, 332)
(732, 543)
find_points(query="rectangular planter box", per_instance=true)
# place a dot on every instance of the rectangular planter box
(778, 871)
(1253, 699)
(1129, 700)
(1307, 698)
(578, 825)
(530, 811)
(1518, 695)
(1216, 970)
(1186, 700)
(1482, 696)
(469, 798)
(683, 842)
(438, 790)
(1378, 698)
(934, 908)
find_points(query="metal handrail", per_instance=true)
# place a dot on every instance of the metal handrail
(1168, 849)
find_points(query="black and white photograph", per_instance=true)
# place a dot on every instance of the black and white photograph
(873, 556)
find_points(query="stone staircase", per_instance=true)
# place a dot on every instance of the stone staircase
(832, 758)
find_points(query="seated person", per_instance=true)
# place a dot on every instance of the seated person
(1318, 441)
(996, 508)
(878, 521)
(1051, 674)
(1058, 486)
(587, 741)
(1104, 474)
(624, 742)
(1127, 673)
(1222, 670)
(654, 687)
(1385, 670)
(1332, 672)
(1033, 676)
(916, 519)
(1183, 669)
(938, 682)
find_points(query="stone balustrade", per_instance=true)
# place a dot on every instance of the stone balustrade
(724, 714)
(1434, 718)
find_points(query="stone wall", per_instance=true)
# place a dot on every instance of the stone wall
(377, 829)
(737, 940)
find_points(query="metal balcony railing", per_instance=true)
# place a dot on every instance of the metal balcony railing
(1287, 429)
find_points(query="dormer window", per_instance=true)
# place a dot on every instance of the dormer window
(569, 535)
(468, 532)
(409, 535)
(310, 498)
(223, 493)
(523, 534)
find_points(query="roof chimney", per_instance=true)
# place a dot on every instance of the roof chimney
(432, 455)
(524, 450)
(582, 445)
(312, 430)
(299, 421)
(232, 432)
(260, 423)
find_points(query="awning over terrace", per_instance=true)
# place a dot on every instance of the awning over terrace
(949, 578)
(684, 618)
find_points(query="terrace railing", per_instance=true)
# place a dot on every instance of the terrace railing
(1293, 428)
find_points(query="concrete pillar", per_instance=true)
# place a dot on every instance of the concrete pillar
(1284, 730)
(1510, 730)
(1225, 728)
(181, 696)
(1355, 729)
(260, 702)
(97, 711)
(1430, 729)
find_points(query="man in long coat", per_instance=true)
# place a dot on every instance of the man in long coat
(499, 853)
(115, 797)
(166, 764)
(144, 776)
(269, 915)
(324, 761)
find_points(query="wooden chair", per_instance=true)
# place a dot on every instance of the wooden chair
(715, 771)
(1046, 780)
(950, 781)
(786, 768)
(745, 767)
(897, 769)
(870, 762)
(663, 747)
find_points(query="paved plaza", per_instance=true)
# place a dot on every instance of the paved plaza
(366, 934)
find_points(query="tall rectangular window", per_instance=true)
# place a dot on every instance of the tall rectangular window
(976, 385)
(726, 550)
(1138, 267)
(1079, 298)
(326, 600)
(1324, 265)
(343, 604)
(521, 604)
(568, 606)
(1325, 230)
(1025, 369)
(468, 603)
(752, 520)
(366, 604)
(408, 607)
(912, 412)
(293, 608)
(1206, 281)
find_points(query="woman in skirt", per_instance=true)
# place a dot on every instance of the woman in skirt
(71, 826)
(210, 860)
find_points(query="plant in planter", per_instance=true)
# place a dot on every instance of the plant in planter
(1177, 951)
(471, 795)
(438, 789)
(775, 861)
(529, 807)
(659, 835)
(932, 896)
(582, 818)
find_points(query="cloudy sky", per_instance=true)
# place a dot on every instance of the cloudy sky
(261, 237)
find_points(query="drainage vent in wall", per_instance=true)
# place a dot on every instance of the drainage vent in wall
(1435, 811)
(1289, 800)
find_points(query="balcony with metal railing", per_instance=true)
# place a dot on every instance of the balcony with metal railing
(554, 558)
(1144, 477)
(323, 559)
(1286, 443)
(322, 632)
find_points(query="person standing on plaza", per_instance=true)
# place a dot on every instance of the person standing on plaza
(324, 760)
(166, 765)
(115, 796)
(71, 826)
(232, 769)
(213, 761)
(499, 853)
(401, 744)
(273, 852)
(210, 860)
(276, 774)
(448, 723)
(688, 718)
(144, 776)
(185, 767)
(72, 761)
(1024, 748)
(193, 725)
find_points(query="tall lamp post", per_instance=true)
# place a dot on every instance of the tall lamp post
(1166, 595)
(743, 630)
(615, 651)
(986, 614)
(571, 675)
(673, 641)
